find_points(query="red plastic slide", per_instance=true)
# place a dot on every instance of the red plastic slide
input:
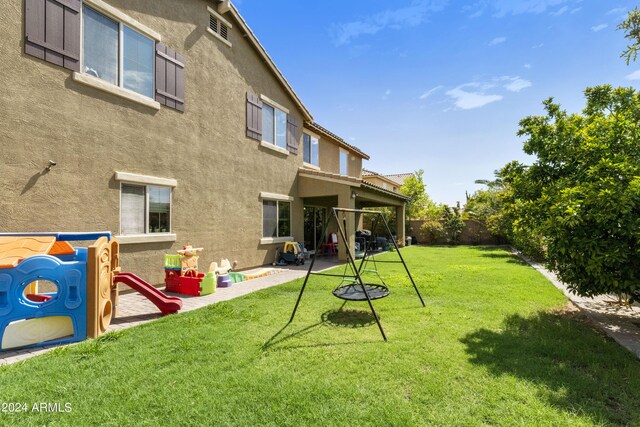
(166, 304)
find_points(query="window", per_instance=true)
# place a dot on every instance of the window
(117, 53)
(276, 218)
(144, 209)
(274, 126)
(344, 160)
(310, 149)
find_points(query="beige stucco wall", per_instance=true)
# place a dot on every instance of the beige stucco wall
(329, 158)
(91, 134)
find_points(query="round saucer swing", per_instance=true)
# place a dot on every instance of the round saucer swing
(353, 287)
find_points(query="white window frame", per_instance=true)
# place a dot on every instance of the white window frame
(146, 181)
(346, 165)
(97, 83)
(264, 196)
(274, 145)
(311, 165)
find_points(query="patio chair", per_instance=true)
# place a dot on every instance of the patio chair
(331, 246)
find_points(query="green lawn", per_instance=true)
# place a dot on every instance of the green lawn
(493, 347)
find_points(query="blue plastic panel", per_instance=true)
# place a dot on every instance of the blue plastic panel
(71, 299)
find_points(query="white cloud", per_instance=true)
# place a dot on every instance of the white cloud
(515, 84)
(386, 94)
(537, 46)
(616, 11)
(576, 10)
(600, 27)
(465, 99)
(410, 16)
(430, 92)
(497, 41)
(560, 11)
(527, 66)
(517, 7)
(634, 76)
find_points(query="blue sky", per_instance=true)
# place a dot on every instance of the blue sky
(441, 85)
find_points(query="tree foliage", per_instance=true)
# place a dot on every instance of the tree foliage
(583, 191)
(631, 28)
(486, 202)
(452, 223)
(415, 188)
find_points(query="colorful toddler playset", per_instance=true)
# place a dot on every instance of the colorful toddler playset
(53, 293)
(182, 275)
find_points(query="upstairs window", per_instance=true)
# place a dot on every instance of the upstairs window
(117, 53)
(344, 160)
(274, 125)
(310, 149)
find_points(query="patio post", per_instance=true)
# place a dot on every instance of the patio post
(347, 201)
(400, 226)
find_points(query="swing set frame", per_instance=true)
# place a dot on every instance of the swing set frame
(358, 284)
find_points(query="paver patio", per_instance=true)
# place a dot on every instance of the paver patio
(134, 309)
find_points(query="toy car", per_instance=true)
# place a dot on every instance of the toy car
(291, 253)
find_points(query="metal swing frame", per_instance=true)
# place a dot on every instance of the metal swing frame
(351, 261)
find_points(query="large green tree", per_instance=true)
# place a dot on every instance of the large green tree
(583, 191)
(415, 188)
(631, 28)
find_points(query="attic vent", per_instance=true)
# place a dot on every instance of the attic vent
(219, 27)
(213, 23)
(224, 31)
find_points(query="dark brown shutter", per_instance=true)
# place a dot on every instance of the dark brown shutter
(169, 77)
(292, 134)
(52, 31)
(254, 117)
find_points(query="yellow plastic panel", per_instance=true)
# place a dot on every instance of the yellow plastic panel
(39, 330)
(14, 249)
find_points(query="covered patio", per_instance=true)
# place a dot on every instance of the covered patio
(321, 191)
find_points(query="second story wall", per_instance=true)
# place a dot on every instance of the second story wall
(91, 133)
(330, 152)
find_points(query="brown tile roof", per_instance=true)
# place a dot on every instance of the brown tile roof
(398, 177)
(317, 128)
(385, 191)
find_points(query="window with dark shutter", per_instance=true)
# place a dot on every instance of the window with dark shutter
(52, 31)
(292, 134)
(254, 117)
(169, 77)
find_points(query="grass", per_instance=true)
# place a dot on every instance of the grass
(493, 347)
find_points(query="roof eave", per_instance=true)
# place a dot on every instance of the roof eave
(317, 128)
(382, 190)
(262, 51)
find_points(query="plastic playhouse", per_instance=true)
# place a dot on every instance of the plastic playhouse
(53, 293)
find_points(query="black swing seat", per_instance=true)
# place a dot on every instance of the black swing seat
(354, 292)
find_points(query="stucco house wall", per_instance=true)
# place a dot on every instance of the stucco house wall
(92, 134)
